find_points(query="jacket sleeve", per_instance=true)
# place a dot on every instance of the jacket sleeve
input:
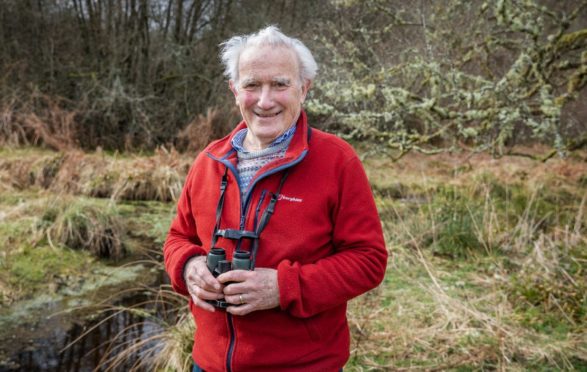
(358, 263)
(182, 241)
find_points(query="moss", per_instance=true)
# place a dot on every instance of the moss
(13, 234)
(34, 267)
(148, 219)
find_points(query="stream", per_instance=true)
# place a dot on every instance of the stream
(44, 334)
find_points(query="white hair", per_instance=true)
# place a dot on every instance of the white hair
(233, 47)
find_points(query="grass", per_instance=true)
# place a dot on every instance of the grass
(121, 178)
(85, 224)
(487, 256)
(49, 241)
(487, 273)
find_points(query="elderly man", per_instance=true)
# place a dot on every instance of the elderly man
(295, 203)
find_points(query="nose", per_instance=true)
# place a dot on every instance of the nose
(265, 101)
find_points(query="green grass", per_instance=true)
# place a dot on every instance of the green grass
(37, 266)
(150, 219)
(48, 242)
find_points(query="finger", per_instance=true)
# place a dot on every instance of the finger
(235, 276)
(241, 310)
(236, 288)
(204, 279)
(204, 294)
(209, 281)
(203, 304)
(197, 282)
(238, 299)
(197, 272)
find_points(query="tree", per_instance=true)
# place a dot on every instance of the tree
(481, 75)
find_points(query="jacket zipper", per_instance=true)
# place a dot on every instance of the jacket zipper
(231, 344)
(244, 210)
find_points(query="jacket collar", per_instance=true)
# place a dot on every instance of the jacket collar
(222, 149)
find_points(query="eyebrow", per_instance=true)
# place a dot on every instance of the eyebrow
(281, 80)
(285, 81)
(248, 81)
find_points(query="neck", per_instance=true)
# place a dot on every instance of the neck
(251, 143)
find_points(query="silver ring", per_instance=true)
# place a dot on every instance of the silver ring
(241, 298)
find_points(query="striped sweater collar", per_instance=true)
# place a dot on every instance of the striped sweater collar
(239, 138)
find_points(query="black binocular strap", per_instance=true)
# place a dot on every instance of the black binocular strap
(220, 205)
(266, 217)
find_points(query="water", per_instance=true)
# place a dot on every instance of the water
(64, 341)
(50, 351)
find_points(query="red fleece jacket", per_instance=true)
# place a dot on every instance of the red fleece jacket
(324, 239)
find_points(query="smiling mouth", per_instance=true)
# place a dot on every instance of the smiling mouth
(269, 115)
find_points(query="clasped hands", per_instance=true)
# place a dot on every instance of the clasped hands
(248, 290)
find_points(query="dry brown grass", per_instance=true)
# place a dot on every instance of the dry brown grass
(42, 120)
(12, 133)
(517, 302)
(460, 168)
(167, 348)
(205, 128)
(20, 173)
(158, 177)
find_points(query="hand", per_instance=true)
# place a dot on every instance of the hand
(201, 284)
(252, 290)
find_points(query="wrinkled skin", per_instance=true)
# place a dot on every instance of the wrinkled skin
(258, 288)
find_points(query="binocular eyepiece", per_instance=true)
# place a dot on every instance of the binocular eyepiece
(218, 264)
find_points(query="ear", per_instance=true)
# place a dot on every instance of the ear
(307, 84)
(233, 89)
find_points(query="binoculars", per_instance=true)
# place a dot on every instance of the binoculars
(218, 264)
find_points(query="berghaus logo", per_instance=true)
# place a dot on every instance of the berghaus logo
(289, 198)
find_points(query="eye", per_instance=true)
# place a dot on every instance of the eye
(281, 84)
(250, 85)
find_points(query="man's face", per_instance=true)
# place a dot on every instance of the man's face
(268, 93)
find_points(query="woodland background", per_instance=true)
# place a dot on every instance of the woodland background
(429, 75)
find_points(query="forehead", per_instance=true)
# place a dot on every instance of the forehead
(267, 62)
